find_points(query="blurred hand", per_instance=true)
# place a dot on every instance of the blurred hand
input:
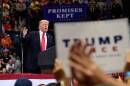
(59, 71)
(128, 57)
(119, 79)
(58, 65)
(85, 71)
(127, 65)
(83, 68)
(24, 31)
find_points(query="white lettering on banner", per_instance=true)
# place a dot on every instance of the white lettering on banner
(64, 16)
(66, 10)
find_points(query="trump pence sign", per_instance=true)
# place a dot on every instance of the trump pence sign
(109, 37)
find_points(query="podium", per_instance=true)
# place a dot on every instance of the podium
(46, 60)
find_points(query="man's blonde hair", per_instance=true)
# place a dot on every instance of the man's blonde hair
(44, 21)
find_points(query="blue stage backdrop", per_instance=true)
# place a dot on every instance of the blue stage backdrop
(66, 12)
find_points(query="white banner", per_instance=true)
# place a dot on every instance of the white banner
(10, 79)
(35, 82)
(110, 39)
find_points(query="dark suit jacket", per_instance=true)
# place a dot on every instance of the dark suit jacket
(32, 42)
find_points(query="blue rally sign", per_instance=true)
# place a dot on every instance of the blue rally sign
(65, 12)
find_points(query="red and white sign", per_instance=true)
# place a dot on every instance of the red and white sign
(9, 79)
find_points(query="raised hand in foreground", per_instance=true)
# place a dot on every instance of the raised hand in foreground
(85, 71)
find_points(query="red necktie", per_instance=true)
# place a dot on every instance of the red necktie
(43, 43)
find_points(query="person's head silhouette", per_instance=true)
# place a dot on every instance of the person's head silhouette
(23, 82)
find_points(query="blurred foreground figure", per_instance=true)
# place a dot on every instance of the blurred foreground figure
(85, 71)
(23, 82)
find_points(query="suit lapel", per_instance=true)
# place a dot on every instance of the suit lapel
(47, 40)
(38, 38)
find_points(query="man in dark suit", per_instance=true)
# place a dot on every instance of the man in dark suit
(36, 42)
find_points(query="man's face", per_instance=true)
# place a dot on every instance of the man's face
(43, 25)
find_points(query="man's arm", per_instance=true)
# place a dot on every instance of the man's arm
(24, 32)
